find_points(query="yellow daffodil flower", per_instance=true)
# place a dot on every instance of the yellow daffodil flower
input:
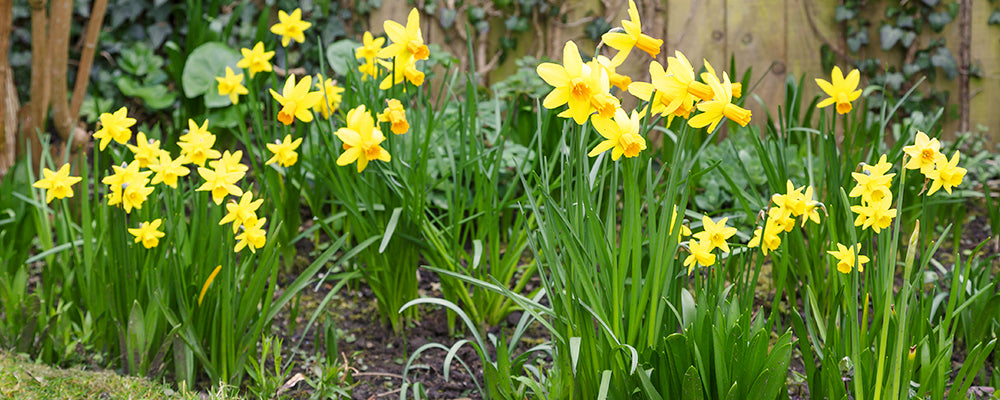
(231, 161)
(767, 237)
(701, 253)
(621, 135)
(715, 234)
(812, 207)
(221, 182)
(237, 213)
(196, 145)
(793, 200)
(128, 186)
(296, 100)
(361, 140)
(400, 69)
(231, 85)
(847, 256)
(737, 86)
(924, 153)
(147, 233)
(147, 150)
(114, 126)
(253, 235)
(842, 91)
(332, 96)
(168, 170)
(284, 151)
(290, 27)
(396, 116)
(632, 37)
(876, 215)
(407, 42)
(368, 52)
(617, 80)
(873, 182)
(256, 60)
(685, 231)
(57, 184)
(721, 106)
(574, 82)
(947, 174)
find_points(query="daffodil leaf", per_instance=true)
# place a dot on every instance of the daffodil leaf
(339, 55)
(204, 64)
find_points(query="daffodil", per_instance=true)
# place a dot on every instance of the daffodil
(847, 257)
(715, 234)
(767, 237)
(924, 153)
(361, 140)
(685, 231)
(231, 85)
(242, 211)
(147, 233)
(680, 79)
(666, 100)
(701, 253)
(167, 170)
(621, 135)
(873, 182)
(147, 150)
(231, 161)
(400, 69)
(253, 235)
(196, 145)
(256, 60)
(368, 52)
(290, 27)
(284, 151)
(128, 186)
(221, 182)
(737, 86)
(114, 126)
(721, 106)
(407, 42)
(395, 115)
(875, 215)
(947, 174)
(296, 100)
(617, 80)
(812, 207)
(632, 37)
(793, 200)
(332, 96)
(842, 91)
(574, 82)
(57, 184)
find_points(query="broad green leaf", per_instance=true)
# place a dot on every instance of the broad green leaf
(205, 63)
(339, 55)
(691, 388)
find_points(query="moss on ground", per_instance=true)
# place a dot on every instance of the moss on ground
(22, 379)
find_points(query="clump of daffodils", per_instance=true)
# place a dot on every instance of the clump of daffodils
(925, 155)
(794, 203)
(873, 187)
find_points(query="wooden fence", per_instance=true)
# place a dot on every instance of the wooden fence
(775, 37)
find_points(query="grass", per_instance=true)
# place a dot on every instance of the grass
(22, 379)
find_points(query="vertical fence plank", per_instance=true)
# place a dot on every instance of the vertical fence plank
(985, 53)
(697, 29)
(756, 37)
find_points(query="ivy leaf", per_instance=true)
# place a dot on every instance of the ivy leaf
(894, 80)
(204, 64)
(857, 40)
(910, 69)
(994, 18)
(339, 53)
(944, 60)
(447, 17)
(908, 38)
(938, 20)
(889, 36)
(843, 14)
